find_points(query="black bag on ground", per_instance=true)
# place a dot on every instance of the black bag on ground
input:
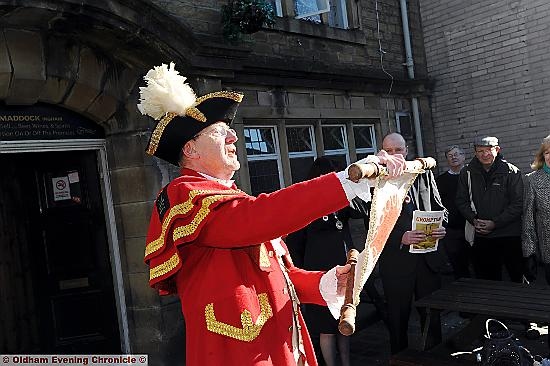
(501, 348)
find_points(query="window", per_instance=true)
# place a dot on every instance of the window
(331, 12)
(311, 9)
(264, 160)
(277, 7)
(338, 14)
(336, 144)
(404, 125)
(365, 140)
(301, 151)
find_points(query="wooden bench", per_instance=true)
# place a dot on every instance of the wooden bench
(496, 299)
(411, 357)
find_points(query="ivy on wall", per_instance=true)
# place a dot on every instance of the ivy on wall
(245, 17)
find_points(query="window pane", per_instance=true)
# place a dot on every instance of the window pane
(277, 8)
(299, 139)
(259, 141)
(340, 162)
(333, 137)
(299, 168)
(405, 126)
(310, 9)
(264, 176)
(363, 137)
(338, 14)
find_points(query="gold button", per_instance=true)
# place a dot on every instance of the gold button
(284, 290)
(270, 253)
(290, 328)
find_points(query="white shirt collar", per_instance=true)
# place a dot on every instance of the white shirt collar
(453, 173)
(228, 183)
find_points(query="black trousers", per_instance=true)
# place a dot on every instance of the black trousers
(490, 254)
(458, 251)
(399, 293)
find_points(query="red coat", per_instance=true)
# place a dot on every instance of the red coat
(211, 244)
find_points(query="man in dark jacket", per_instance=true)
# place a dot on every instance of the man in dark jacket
(405, 274)
(454, 243)
(497, 193)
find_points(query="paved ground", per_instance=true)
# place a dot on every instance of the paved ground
(370, 344)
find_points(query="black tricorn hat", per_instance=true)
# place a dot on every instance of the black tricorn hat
(181, 115)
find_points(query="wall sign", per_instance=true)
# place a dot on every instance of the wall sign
(45, 122)
(61, 190)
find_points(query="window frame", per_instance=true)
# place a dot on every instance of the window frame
(302, 154)
(398, 116)
(366, 150)
(345, 149)
(337, 14)
(305, 154)
(278, 7)
(327, 9)
(272, 156)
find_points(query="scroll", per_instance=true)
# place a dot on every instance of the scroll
(386, 205)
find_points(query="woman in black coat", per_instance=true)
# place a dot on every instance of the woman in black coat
(321, 245)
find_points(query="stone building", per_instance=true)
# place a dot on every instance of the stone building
(76, 188)
(489, 62)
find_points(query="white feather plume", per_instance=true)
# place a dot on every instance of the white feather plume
(166, 91)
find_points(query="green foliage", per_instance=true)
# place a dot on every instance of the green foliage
(245, 17)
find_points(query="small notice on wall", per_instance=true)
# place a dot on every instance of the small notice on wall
(61, 189)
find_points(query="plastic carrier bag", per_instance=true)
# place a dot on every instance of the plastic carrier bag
(501, 348)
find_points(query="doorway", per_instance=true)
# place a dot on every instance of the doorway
(55, 270)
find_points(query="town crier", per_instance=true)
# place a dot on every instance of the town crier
(220, 249)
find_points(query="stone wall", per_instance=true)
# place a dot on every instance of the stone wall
(299, 45)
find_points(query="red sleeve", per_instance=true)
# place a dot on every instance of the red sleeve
(248, 220)
(193, 209)
(306, 284)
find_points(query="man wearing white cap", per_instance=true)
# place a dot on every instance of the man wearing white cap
(496, 188)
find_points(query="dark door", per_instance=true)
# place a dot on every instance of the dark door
(56, 200)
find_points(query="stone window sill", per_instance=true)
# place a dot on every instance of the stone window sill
(302, 27)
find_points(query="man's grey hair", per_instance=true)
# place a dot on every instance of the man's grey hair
(453, 147)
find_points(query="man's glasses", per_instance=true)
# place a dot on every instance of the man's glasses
(218, 131)
(455, 155)
(486, 151)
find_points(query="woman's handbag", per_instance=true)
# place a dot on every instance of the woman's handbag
(469, 230)
(501, 348)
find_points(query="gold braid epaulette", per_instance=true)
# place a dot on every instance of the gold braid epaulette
(250, 329)
(184, 208)
(181, 209)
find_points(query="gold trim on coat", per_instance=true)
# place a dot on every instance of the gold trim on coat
(249, 330)
(165, 267)
(180, 209)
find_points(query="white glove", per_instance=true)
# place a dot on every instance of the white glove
(328, 286)
(360, 189)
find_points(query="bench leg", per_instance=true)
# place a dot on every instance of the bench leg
(426, 328)
(431, 329)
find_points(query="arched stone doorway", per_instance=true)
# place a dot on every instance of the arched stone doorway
(88, 58)
(60, 263)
